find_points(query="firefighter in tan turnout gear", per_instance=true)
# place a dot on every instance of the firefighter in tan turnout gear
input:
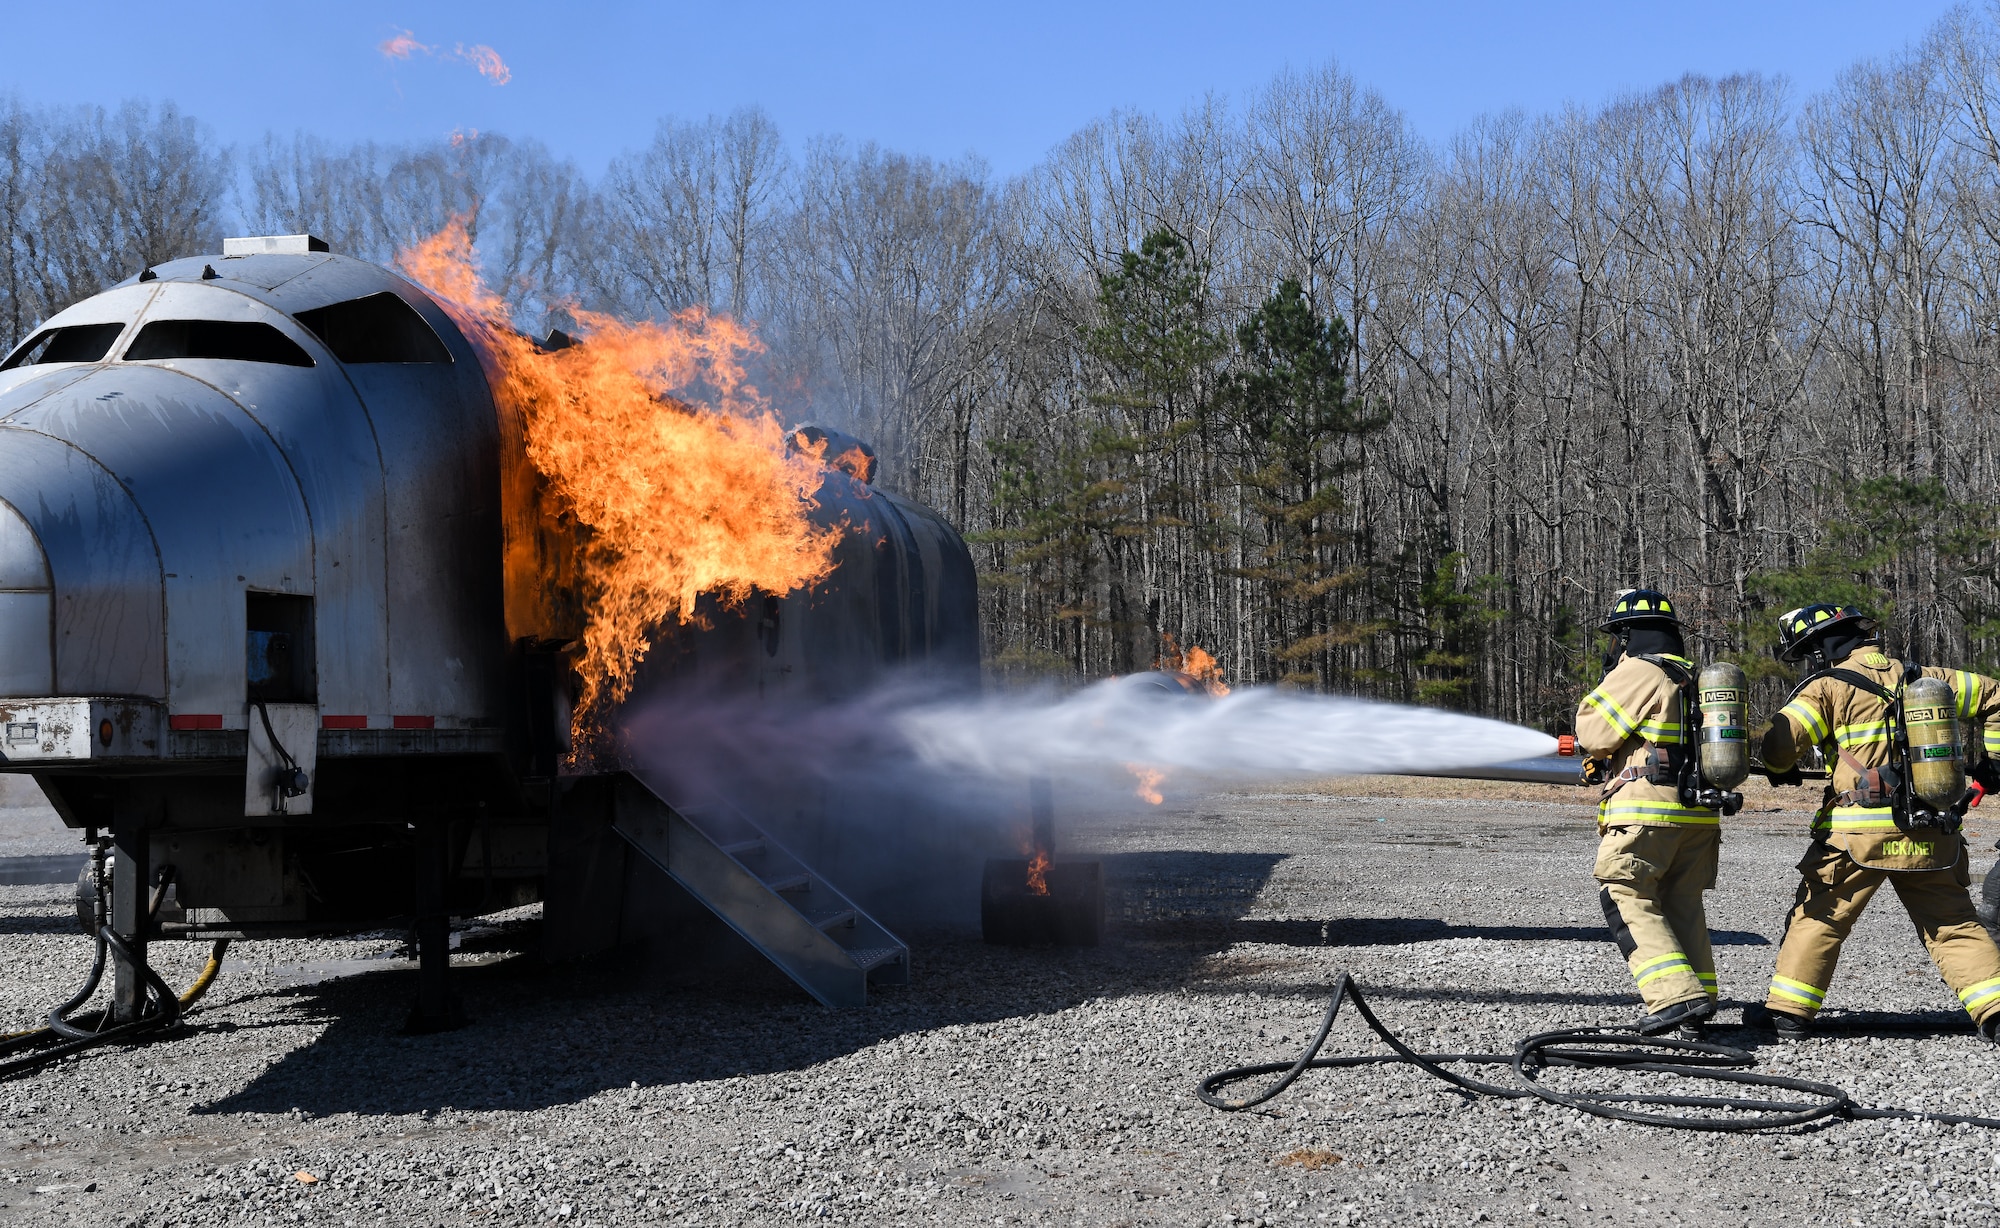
(1658, 828)
(1891, 813)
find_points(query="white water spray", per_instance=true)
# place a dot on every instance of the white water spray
(900, 794)
(1249, 734)
(910, 739)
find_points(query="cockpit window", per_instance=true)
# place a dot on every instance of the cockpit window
(377, 328)
(73, 343)
(239, 340)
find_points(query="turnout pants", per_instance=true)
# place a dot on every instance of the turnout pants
(1834, 889)
(1653, 880)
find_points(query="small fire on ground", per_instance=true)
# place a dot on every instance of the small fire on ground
(1197, 664)
(1150, 780)
(1038, 873)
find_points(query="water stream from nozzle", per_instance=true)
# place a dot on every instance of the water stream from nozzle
(1250, 733)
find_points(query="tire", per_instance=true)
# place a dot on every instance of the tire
(86, 898)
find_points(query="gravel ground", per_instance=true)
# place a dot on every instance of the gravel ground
(1008, 1086)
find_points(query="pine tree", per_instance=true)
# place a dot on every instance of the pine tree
(1296, 433)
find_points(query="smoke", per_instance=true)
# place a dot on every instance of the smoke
(900, 793)
(484, 60)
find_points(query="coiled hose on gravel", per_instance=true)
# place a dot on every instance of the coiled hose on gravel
(1596, 1048)
(65, 1033)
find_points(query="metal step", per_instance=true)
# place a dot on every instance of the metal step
(874, 957)
(794, 917)
(836, 919)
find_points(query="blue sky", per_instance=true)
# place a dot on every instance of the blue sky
(1005, 81)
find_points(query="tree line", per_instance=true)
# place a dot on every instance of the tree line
(1276, 377)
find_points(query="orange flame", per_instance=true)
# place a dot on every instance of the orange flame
(673, 499)
(1150, 780)
(1196, 663)
(1038, 873)
(854, 463)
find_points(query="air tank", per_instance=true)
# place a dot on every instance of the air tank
(1725, 743)
(1937, 764)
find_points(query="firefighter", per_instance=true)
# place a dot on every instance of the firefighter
(1869, 828)
(1656, 852)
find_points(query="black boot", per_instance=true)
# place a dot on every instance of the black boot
(1787, 1026)
(1989, 1027)
(1694, 1029)
(1680, 1014)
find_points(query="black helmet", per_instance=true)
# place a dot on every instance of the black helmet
(1639, 605)
(1799, 629)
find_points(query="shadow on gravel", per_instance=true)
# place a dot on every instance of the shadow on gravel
(1914, 1025)
(1385, 931)
(62, 923)
(547, 1035)
(544, 1036)
(40, 870)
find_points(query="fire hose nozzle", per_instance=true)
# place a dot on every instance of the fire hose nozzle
(1566, 745)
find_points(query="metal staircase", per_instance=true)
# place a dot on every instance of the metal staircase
(797, 919)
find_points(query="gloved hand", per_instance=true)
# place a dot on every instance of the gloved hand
(1985, 779)
(1595, 771)
(1790, 776)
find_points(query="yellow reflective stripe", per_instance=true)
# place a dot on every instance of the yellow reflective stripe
(1614, 715)
(1707, 978)
(1973, 994)
(1861, 735)
(1968, 693)
(1861, 818)
(1657, 973)
(1991, 737)
(1661, 959)
(1613, 810)
(1802, 712)
(1665, 732)
(1797, 991)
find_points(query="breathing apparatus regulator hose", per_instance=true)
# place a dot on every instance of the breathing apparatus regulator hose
(1594, 1048)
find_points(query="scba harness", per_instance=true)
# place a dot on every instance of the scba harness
(1679, 764)
(1890, 784)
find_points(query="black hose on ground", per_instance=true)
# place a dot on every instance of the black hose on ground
(1597, 1048)
(66, 1033)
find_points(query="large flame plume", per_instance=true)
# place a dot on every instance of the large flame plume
(676, 493)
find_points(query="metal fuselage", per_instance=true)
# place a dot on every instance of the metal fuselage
(331, 550)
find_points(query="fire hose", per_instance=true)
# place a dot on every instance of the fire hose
(65, 1033)
(1591, 1048)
